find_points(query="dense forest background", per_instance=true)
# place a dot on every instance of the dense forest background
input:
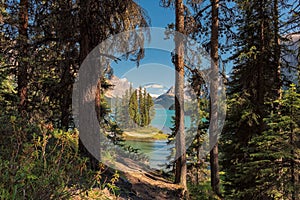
(43, 44)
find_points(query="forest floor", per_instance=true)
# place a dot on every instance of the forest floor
(147, 184)
(136, 184)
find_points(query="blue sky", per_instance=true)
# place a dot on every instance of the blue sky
(160, 17)
(156, 71)
(156, 68)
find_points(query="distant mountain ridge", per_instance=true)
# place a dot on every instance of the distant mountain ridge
(167, 99)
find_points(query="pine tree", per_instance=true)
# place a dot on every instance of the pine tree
(150, 108)
(134, 108)
(220, 25)
(116, 110)
(91, 34)
(141, 107)
(254, 82)
(23, 67)
(146, 108)
(199, 125)
(196, 135)
(124, 110)
(213, 134)
(274, 155)
(131, 123)
(181, 169)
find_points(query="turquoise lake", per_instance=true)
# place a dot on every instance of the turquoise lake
(158, 150)
(163, 120)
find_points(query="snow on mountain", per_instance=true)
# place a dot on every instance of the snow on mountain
(120, 85)
(167, 99)
(119, 88)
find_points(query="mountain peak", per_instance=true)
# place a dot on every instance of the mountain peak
(167, 99)
(171, 91)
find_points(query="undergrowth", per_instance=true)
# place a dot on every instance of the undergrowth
(38, 161)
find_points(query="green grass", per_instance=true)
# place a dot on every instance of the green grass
(161, 136)
(146, 130)
(142, 132)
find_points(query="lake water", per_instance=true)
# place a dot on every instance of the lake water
(158, 150)
(163, 120)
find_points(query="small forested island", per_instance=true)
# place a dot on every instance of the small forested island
(134, 109)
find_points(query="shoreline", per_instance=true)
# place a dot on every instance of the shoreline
(144, 134)
(144, 139)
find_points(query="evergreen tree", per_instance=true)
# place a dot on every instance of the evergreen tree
(150, 108)
(23, 67)
(94, 28)
(213, 130)
(126, 109)
(181, 169)
(254, 82)
(199, 125)
(117, 109)
(198, 111)
(141, 107)
(274, 155)
(146, 108)
(134, 108)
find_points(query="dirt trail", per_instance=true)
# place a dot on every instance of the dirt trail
(148, 185)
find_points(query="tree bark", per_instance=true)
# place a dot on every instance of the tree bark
(260, 87)
(213, 134)
(98, 100)
(277, 51)
(22, 74)
(87, 95)
(180, 173)
(66, 98)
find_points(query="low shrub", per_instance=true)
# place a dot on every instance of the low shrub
(40, 162)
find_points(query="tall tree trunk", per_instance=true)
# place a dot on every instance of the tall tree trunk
(213, 135)
(66, 98)
(277, 50)
(88, 97)
(98, 100)
(180, 173)
(22, 74)
(260, 87)
(65, 109)
(277, 53)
